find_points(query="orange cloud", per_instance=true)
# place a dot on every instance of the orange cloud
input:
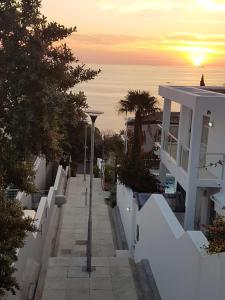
(176, 42)
(133, 6)
(173, 49)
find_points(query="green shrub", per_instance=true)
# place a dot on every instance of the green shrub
(135, 175)
(96, 171)
(215, 234)
(112, 197)
(109, 173)
(14, 229)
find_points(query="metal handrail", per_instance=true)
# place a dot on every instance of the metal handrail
(185, 147)
(171, 135)
(213, 153)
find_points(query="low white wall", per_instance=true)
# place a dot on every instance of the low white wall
(181, 267)
(39, 181)
(30, 257)
(125, 204)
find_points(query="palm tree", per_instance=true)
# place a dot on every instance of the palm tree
(142, 104)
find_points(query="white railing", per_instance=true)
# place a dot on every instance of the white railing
(170, 143)
(38, 245)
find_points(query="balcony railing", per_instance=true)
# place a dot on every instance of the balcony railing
(152, 163)
(170, 144)
(184, 157)
(211, 166)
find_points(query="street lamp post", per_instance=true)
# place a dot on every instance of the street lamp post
(85, 151)
(126, 135)
(93, 115)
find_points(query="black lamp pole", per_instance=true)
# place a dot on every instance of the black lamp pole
(93, 115)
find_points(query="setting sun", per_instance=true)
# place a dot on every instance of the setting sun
(198, 59)
(198, 56)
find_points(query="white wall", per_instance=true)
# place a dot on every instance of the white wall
(181, 267)
(31, 256)
(216, 141)
(125, 204)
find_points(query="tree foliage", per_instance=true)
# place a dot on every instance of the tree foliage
(132, 171)
(37, 72)
(134, 174)
(113, 144)
(38, 110)
(142, 104)
(13, 231)
(77, 141)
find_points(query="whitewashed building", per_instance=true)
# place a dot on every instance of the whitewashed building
(196, 156)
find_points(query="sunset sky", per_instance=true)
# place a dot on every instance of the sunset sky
(157, 32)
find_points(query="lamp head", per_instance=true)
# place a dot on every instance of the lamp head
(210, 124)
(93, 114)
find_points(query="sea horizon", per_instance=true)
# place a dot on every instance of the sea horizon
(112, 84)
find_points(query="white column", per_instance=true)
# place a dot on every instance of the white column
(180, 131)
(165, 127)
(193, 165)
(223, 174)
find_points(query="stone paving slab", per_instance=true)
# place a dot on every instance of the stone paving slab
(75, 219)
(66, 277)
(111, 279)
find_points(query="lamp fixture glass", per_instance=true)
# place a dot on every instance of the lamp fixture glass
(210, 123)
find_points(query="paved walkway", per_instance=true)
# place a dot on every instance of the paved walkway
(66, 276)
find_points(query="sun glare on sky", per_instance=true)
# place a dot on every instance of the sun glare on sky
(198, 57)
(166, 32)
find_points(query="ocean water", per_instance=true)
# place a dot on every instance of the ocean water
(112, 84)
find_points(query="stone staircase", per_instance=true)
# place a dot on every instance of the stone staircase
(111, 279)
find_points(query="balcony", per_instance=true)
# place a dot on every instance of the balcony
(211, 166)
(170, 144)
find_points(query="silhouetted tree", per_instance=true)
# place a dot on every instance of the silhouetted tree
(37, 106)
(132, 171)
(37, 72)
(202, 81)
(142, 104)
(14, 228)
